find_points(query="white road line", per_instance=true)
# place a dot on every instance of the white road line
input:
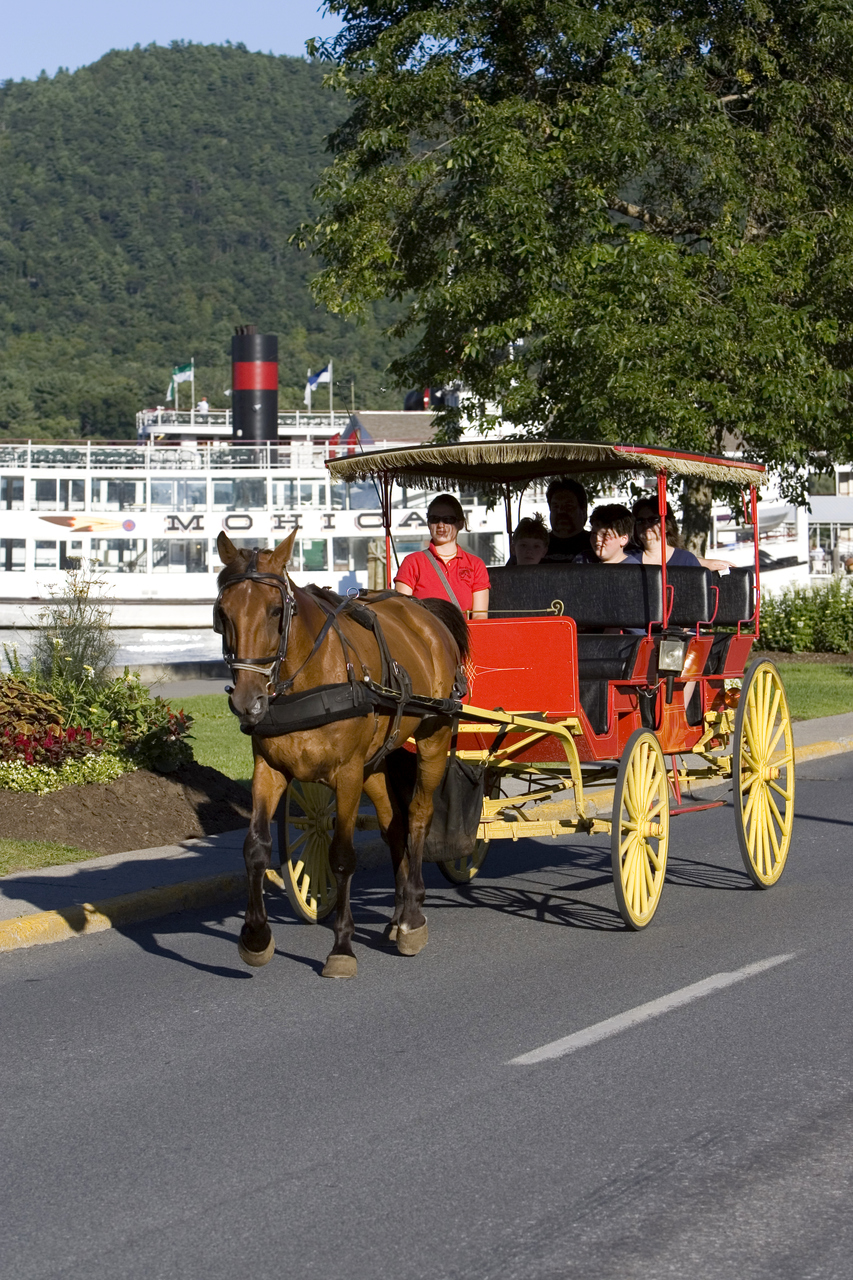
(643, 1012)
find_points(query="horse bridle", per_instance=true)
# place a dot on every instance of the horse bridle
(270, 664)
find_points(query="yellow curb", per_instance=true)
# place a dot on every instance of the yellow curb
(94, 917)
(131, 908)
(815, 750)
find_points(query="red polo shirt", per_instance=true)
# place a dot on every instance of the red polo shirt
(465, 574)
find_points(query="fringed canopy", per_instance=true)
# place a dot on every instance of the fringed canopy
(484, 464)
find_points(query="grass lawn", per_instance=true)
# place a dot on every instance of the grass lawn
(216, 737)
(817, 689)
(23, 855)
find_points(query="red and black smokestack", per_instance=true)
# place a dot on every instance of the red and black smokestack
(254, 384)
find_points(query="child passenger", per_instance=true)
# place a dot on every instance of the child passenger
(611, 527)
(530, 540)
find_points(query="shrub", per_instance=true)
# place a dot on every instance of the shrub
(74, 632)
(809, 619)
(41, 778)
(54, 719)
(32, 727)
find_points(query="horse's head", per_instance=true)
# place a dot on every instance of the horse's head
(253, 612)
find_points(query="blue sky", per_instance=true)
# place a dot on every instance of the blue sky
(47, 34)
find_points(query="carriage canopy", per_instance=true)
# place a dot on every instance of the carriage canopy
(501, 463)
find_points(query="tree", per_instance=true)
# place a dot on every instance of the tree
(617, 220)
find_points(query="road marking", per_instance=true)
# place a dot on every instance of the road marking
(643, 1012)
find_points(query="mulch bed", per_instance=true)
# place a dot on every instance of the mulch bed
(138, 811)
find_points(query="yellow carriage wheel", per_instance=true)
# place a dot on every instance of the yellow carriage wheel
(763, 774)
(463, 870)
(309, 819)
(639, 836)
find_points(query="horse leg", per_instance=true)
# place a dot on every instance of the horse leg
(341, 962)
(412, 931)
(392, 826)
(256, 945)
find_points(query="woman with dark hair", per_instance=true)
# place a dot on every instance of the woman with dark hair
(445, 569)
(647, 535)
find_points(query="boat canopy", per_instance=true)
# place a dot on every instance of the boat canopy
(481, 464)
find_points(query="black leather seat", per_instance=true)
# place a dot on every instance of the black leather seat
(737, 604)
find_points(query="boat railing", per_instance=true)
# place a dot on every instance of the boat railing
(99, 456)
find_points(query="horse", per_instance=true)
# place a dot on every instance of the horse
(260, 611)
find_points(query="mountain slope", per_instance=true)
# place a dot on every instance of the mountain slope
(145, 206)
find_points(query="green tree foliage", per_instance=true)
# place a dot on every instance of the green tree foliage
(146, 204)
(618, 219)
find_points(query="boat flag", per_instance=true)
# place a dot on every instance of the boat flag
(180, 373)
(314, 380)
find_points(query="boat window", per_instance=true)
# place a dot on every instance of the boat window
(288, 493)
(178, 495)
(46, 555)
(361, 495)
(118, 495)
(12, 554)
(70, 554)
(312, 555)
(119, 555)
(12, 493)
(44, 495)
(350, 554)
(72, 495)
(179, 555)
(239, 494)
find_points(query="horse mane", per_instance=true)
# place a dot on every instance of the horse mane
(444, 610)
(453, 618)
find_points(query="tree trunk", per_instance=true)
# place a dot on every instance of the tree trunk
(696, 515)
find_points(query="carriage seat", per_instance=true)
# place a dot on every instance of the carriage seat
(599, 596)
(737, 604)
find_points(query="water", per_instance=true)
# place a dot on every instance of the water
(138, 647)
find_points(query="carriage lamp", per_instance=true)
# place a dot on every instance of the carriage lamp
(671, 654)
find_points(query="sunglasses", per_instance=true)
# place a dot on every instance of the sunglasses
(647, 519)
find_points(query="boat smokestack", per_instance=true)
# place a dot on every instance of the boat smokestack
(254, 384)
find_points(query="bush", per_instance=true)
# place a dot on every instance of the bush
(809, 619)
(74, 630)
(53, 719)
(41, 778)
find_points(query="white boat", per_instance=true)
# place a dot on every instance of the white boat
(146, 516)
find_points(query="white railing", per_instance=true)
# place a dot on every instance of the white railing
(124, 456)
(218, 422)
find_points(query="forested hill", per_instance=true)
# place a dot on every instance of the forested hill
(145, 207)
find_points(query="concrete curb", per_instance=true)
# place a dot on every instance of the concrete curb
(150, 904)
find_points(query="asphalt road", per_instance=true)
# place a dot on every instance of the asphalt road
(166, 1112)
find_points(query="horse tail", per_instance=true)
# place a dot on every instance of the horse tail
(453, 619)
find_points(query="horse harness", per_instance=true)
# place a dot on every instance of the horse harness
(292, 712)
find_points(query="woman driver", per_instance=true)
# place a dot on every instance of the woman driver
(445, 569)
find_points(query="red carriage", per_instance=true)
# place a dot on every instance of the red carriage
(576, 703)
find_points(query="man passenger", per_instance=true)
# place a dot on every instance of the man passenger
(567, 507)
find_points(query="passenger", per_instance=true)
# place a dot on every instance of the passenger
(530, 540)
(647, 505)
(445, 569)
(567, 507)
(611, 527)
(647, 535)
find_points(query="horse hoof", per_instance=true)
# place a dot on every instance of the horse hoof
(389, 934)
(340, 966)
(256, 959)
(411, 941)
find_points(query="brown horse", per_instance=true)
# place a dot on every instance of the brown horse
(270, 632)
